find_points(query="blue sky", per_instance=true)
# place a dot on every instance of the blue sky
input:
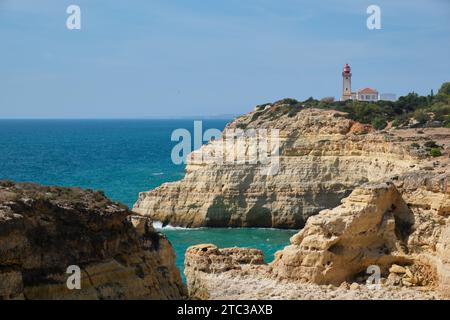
(169, 58)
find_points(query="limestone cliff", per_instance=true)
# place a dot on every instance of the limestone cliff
(368, 228)
(44, 230)
(403, 222)
(401, 226)
(323, 157)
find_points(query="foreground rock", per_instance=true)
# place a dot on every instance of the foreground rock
(231, 279)
(44, 230)
(400, 226)
(370, 227)
(323, 157)
(204, 260)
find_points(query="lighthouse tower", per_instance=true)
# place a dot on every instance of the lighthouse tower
(346, 83)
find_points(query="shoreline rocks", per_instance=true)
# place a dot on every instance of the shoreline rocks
(379, 225)
(45, 230)
(243, 279)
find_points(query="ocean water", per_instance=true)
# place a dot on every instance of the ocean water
(267, 240)
(120, 157)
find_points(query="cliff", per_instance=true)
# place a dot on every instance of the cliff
(44, 230)
(363, 199)
(323, 156)
(397, 222)
(400, 226)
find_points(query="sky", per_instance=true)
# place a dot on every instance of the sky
(174, 58)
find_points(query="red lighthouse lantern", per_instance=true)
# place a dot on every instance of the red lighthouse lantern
(347, 70)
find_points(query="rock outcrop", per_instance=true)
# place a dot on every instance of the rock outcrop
(46, 230)
(364, 199)
(323, 156)
(400, 226)
(204, 260)
(212, 274)
(369, 228)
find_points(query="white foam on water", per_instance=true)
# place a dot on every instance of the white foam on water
(159, 226)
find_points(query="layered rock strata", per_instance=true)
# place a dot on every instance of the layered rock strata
(368, 228)
(46, 233)
(400, 227)
(323, 156)
(212, 275)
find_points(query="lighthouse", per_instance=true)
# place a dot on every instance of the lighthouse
(346, 83)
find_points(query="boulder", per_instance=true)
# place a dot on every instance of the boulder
(338, 244)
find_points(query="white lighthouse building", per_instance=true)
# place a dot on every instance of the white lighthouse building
(365, 94)
(346, 83)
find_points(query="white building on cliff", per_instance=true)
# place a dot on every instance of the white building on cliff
(366, 94)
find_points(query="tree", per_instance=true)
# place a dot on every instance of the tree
(411, 102)
(327, 99)
(443, 94)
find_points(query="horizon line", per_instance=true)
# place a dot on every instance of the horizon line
(127, 118)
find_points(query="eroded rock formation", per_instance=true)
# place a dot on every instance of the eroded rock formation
(363, 198)
(323, 157)
(401, 226)
(44, 230)
(204, 260)
(369, 228)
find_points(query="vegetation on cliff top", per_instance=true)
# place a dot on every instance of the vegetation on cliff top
(81, 198)
(411, 110)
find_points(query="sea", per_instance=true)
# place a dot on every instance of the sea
(121, 158)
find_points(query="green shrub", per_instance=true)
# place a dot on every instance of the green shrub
(293, 112)
(421, 116)
(379, 123)
(435, 152)
(327, 100)
(256, 115)
(288, 101)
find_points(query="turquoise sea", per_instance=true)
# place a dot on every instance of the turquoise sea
(120, 157)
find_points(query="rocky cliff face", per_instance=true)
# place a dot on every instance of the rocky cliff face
(364, 199)
(44, 230)
(400, 226)
(403, 222)
(323, 157)
(368, 228)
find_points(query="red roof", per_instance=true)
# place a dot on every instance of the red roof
(367, 90)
